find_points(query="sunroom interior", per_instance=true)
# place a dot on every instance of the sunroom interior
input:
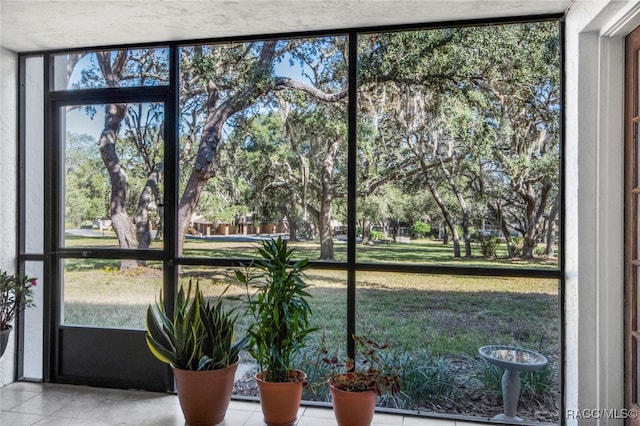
(329, 157)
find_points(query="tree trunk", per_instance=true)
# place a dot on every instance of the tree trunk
(535, 204)
(187, 206)
(122, 224)
(324, 220)
(496, 212)
(204, 168)
(447, 218)
(293, 227)
(551, 229)
(366, 231)
(466, 234)
(145, 205)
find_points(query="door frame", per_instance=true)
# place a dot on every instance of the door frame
(96, 356)
(631, 195)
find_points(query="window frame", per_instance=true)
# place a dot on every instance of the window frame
(53, 255)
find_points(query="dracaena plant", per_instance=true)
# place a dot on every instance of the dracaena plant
(200, 336)
(371, 372)
(277, 303)
(16, 294)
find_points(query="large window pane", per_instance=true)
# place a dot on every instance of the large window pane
(263, 145)
(113, 175)
(97, 293)
(435, 325)
(458, 145)
(111, 68)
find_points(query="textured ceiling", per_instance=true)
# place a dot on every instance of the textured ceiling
(31, 25)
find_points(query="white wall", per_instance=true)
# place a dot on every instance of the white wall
(594, 209)
(8, 189)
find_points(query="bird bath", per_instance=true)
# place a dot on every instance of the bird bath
(513, 361)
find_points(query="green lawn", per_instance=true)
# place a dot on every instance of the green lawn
(441, 317)
(442, 313)
(425, 251)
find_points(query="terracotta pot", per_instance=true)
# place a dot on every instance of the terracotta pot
(280, 401)
(4, 339)
(353, 408)
(204, 395)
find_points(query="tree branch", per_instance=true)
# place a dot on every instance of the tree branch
(282, 83)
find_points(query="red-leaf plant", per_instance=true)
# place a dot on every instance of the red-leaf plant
(372, 372)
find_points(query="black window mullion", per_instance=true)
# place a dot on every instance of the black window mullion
(52, 293)
(171, 186)
(351, 192)
(111, 95)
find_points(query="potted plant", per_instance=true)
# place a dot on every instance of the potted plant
(355, 388)
(16, 294)
(276, 300)
(198, 343)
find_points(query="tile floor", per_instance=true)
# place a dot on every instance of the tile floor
(64, 405)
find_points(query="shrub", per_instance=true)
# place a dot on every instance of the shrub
(517, 243)
(540, 251)
(420, 229)
(376, 235)
(489, 245)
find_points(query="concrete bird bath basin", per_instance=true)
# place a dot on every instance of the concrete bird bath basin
(513, 361)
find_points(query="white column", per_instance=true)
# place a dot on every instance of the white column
(8, 189)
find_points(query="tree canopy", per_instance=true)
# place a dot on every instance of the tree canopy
(457, 129)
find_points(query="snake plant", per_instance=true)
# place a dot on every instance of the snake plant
(200, 336)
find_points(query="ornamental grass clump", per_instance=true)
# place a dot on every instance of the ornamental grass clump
(372, 372)
(16, 294)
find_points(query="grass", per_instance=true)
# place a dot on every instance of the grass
(444, 316)
(418, 251)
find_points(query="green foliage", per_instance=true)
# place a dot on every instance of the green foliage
(491, 377)
(420, 229)
(86, 181)
(517, 243)
(278, 307)
(489, 245)
(16, 294)
(424, 378)
(200, 336)
(309, 360)
(376, 235)
(86, 224)
(538, 384)
(540, 251)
